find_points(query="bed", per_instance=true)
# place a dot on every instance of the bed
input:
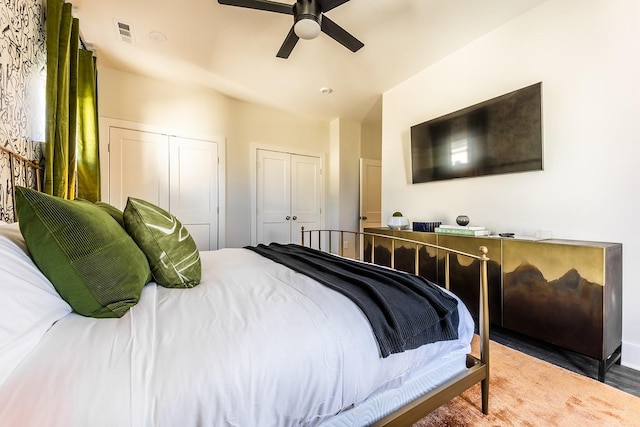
(256, 342)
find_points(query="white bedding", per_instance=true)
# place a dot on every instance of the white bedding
(255, 344)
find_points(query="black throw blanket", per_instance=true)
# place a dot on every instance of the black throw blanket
(405, 311)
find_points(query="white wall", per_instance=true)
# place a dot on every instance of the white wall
(194, 111)
(586, 55)
(371, 144)
(144, 100)
(344, 203)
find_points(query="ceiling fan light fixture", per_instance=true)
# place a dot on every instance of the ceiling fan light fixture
(307, 15)
(307, 28)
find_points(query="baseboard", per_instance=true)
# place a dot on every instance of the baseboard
(631, 355)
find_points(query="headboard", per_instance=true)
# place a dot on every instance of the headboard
(16, 169)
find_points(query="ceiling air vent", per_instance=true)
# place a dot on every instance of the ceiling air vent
(125, 32)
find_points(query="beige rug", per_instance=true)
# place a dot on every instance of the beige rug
(525, 391)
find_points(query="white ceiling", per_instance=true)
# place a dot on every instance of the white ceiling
(233, 50)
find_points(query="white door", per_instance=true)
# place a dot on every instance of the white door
(306, 197)
(273, 197)
(370, 193)
(193, 195)
(138, 167)
(178, 174)
(288, 196)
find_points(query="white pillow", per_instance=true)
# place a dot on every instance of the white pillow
(29, 304)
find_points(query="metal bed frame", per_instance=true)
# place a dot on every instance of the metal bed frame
(32, 165)
(477, 368)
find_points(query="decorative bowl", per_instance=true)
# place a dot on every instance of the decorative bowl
(398, 222)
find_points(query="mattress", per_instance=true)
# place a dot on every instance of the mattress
(393, 397)
(254, 344)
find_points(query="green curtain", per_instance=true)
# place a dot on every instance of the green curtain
(71, 110)
(88, 141)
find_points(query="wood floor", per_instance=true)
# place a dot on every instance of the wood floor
(620, 377)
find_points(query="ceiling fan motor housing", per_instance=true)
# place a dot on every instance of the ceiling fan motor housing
(308, 15)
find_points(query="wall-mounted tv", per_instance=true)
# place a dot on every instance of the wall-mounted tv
(501, 135)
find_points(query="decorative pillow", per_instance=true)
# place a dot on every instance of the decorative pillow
(92, 262)
(111, 210)
(29, 305)
(170, 249)
(114, 212)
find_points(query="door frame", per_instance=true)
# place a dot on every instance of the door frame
(106, 123)
(253, 164)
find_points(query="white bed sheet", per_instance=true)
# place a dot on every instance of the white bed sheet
(250, 346)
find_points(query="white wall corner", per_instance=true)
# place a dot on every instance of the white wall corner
(631, 355)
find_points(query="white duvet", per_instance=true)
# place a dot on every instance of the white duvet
(255, 344)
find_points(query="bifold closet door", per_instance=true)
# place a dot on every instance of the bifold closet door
(305, 195)
(193, 194)
(178, 174)
(273, 197)
(138, 167)
(288, 196)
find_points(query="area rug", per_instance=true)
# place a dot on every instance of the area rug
(525, 391)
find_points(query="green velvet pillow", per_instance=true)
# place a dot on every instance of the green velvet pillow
(170, 249)
(91, 261)
(111, 210)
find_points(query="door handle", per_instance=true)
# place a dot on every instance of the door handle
(364, 218)
(288, 218)
(295, 217)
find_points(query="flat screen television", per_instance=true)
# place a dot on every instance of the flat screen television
(501, 135)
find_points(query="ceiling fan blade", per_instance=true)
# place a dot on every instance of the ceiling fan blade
(327, 5)
(288, 45)
(340, 35)
(269, 6)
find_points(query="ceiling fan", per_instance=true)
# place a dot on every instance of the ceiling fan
(308, 21)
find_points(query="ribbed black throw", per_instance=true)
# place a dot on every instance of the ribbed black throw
(405, 311)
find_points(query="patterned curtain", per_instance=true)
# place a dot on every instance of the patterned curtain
(71, 110)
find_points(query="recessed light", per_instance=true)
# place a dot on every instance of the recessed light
(326, 90)
(157, 36)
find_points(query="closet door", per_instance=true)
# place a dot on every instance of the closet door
(178, 174)
(288, 196)
(273, 197)
(305, 195)
(138, 167)
(193, 195)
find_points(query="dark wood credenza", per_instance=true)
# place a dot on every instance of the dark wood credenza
(564, 292)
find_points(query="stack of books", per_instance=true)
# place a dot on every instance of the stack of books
(462, 230)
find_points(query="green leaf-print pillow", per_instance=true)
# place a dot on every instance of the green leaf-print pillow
(170, 249)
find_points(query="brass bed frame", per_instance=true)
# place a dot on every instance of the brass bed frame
(33, 165)
(477, 368)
